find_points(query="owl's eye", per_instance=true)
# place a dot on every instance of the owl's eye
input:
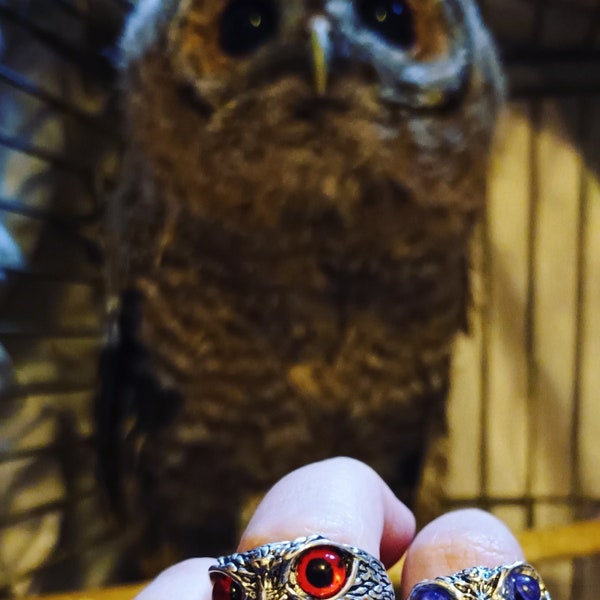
(225, 588)
(246, 25)
(522, 586)
(431, 592)
(321, 572)
(393, 20)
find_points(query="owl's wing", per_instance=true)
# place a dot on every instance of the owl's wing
(130, 402)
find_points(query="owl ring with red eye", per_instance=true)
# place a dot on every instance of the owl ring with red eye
(304, 569)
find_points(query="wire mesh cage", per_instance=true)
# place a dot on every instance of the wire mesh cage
(57, 135)
(528, 351)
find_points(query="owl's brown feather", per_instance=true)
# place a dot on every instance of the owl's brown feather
(302, 259)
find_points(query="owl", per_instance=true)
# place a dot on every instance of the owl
(288, 248)
(519, 581)
(309, 568)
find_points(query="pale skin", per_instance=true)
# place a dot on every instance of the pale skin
(347, 502)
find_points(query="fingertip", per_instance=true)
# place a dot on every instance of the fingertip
(456, 541)
(187, 580)
(398, 528)
(340, 498)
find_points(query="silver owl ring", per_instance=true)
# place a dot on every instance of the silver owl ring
(305, 569)
(518, 581)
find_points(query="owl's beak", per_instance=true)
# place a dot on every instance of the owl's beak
(320, 44)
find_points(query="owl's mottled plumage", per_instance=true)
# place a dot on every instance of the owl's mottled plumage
(296, 262)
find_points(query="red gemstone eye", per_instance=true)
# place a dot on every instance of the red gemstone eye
(321, 572)
(225, 588)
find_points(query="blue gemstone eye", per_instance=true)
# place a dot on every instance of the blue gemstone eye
(523, 587)
(430, 592)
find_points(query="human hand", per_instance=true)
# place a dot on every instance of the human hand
(348, 503)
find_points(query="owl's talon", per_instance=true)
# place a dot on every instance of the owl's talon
(304, 569)
(519, 581)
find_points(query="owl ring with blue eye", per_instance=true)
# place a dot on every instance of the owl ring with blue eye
(304, 569)
(518, 581)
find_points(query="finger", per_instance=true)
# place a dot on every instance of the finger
(457, 541)
(187, 580)
(340, 498)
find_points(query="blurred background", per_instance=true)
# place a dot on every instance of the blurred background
(524, 418)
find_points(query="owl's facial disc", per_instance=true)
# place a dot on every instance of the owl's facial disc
(419, 52)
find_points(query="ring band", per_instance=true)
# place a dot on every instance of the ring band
(519, 581)
(307, 568)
